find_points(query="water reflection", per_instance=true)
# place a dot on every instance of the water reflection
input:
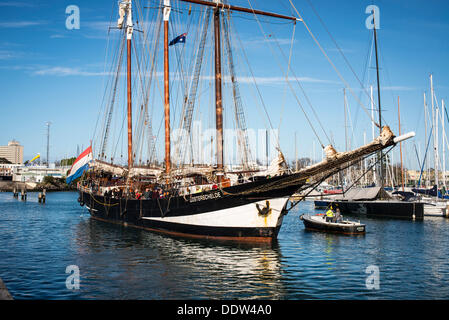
(155, 265)
(38, 242)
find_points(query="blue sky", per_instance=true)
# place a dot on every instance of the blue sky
(50, 73)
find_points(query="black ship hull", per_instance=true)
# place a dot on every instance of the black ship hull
(233, 213)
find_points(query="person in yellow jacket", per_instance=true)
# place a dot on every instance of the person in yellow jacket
(329, 214)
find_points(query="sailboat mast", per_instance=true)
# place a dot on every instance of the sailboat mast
(381, 173)
(167, 10)
(443, 111)
(129, 33)
(218, 89)
(425, 128)
(435, 133)
(400, 145)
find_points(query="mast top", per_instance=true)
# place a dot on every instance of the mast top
(218, 4)
(125, 8)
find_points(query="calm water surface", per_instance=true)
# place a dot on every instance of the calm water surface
(38, 242)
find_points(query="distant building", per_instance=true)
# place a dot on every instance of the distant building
(37, 173)
(13, 152)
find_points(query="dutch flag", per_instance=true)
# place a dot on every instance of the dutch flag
(80, 165)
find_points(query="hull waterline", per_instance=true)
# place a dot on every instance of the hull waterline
(209, 215)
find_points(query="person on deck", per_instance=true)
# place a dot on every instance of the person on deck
(147, 194)
(338, 216)
(329, 214)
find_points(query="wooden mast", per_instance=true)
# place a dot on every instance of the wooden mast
(218, 76)
(125, 9)
(130, 121)
(218, 91)
(167, 10)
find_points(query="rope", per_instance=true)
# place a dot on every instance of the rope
(332, 64)
(292, 90)
(324, 167)
(99, 202)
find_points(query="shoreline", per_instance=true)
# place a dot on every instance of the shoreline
(9, 186)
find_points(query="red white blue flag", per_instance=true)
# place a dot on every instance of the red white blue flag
(80, 165)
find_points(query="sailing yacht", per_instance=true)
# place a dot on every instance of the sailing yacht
(199, 201)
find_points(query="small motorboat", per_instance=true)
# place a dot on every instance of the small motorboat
(319, 223)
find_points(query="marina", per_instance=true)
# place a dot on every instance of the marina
(38, 242)
(225, 150)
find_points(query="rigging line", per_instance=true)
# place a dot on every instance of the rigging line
(388, 75)
(254, 80)
(103, 80)
(106, 102)
(255, 84)
(304, 93)
(238, 110)
(184, 75)
(366, 74)
(338, 47)
(179, 73)
(288, 69)
(121, 132)
(110, 110)
(332, 64)
(185, 122)
(139, 133)
(291, 88)
(152, 72)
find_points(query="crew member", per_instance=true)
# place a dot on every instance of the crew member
(329, 214)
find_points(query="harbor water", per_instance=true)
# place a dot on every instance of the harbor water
(42, 244)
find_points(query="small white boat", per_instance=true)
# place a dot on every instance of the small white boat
(319, 223)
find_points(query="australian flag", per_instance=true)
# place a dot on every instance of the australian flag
(180, 38)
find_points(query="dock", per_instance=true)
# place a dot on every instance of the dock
(4, 293)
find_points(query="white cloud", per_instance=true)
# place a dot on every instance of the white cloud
(20, 24)
(66, 71)
(5, 54)
(57, 36)
(17, 4)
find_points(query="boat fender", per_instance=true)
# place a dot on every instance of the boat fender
(81, 203)
(320, 214)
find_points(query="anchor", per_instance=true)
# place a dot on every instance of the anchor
(264, 211)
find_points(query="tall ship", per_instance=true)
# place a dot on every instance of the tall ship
(178, 196)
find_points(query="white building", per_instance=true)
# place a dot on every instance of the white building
(13, 152)
(37, 173)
